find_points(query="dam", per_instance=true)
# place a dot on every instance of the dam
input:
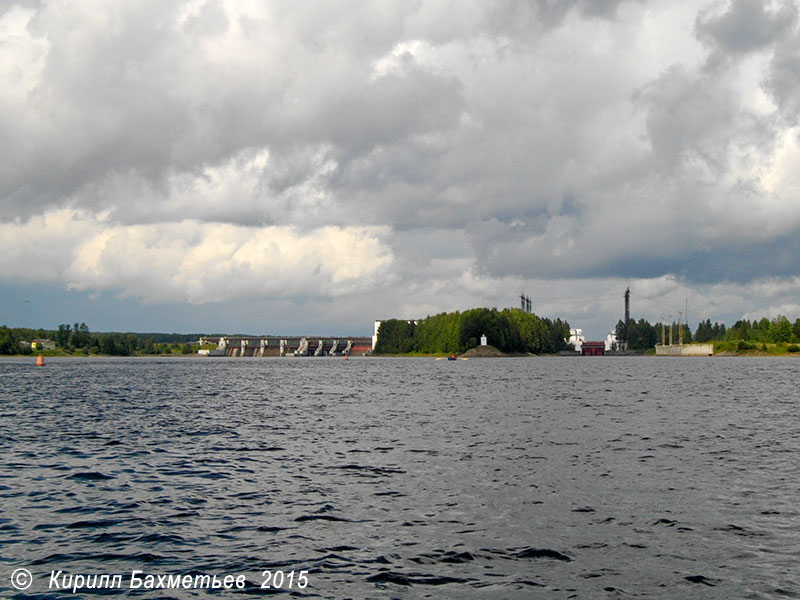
(270, 345)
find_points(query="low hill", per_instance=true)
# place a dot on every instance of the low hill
(482, 352)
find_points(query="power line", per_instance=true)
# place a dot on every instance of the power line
(573, 300)
(676, 307)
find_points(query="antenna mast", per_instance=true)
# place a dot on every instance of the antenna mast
(525, 303)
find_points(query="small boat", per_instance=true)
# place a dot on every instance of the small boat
(452, 357)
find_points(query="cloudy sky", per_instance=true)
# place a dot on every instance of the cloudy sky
(308, 167)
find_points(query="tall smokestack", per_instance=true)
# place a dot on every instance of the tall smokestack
(627, 307)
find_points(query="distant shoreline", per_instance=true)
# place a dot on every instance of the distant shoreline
(472, 353)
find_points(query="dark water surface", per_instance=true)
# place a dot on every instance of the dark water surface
(407, 478)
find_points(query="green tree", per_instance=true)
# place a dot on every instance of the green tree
(395, 336)
(780, 329)
(796, 330)
(63, 335)
(509, 330)
(130, 344)
(495, 325)
(740, 330)
(80, 336)
(108, 345)
(705, 332)
(438, 333)
(531, 334)
(558, 332)
(9, 343)
(620, 331)
(641, 335)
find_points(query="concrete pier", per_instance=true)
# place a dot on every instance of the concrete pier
(684, 349)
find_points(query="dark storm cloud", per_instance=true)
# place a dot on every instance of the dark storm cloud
(783, 79)
(698, 117)
(747, 25)
(128, 92)
(391, 110)
(544, 139)
(100, 104)
(653, 250)
(689, 114)
(778, 257)
(525, 15)
(132, 94)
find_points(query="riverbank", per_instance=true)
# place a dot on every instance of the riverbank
(476, 352)
(61, 353)
(722, 349)
(744, 348)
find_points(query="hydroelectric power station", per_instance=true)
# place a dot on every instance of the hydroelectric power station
(269, 345)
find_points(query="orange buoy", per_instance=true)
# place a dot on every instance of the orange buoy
(40, 361)
(345, 356)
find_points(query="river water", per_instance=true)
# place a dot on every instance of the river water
(634, 477)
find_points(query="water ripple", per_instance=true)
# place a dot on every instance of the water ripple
(514, 478)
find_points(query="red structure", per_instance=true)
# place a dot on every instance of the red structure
(361, 346)
(593, 349)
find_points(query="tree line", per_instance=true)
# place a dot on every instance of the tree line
(508, 330)
(641, 335)
(78, 338)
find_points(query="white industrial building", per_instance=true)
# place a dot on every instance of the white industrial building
(576, 338)
(611, 341)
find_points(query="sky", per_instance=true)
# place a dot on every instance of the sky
(308, 167)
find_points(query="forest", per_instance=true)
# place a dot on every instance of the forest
(508, 330)
(742, 335)
(78, 339)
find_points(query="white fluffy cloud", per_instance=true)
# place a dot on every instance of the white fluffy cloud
(194, 262)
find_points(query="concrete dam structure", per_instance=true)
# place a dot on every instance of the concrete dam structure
(264, 346)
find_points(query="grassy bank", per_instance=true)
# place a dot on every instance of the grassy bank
(745, 348)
